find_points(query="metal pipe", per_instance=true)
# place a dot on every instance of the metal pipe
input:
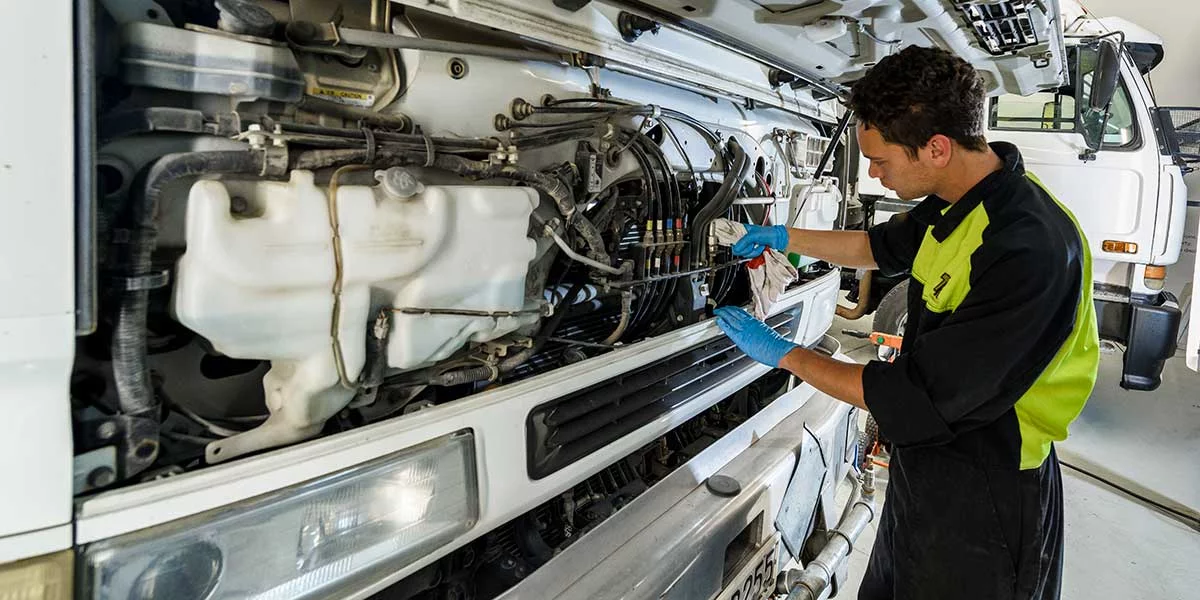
(379, 39)
(86, 296)
(864, 299)
(626, 310)
(575, 256)
(810, 582)
(641, 73)
(457, 312)
(335, 321)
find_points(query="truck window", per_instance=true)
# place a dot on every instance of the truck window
(1056, 111)
(1043, 111)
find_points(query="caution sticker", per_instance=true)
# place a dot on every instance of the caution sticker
(348, 97)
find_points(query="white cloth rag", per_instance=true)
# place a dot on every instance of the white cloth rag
(768, 277)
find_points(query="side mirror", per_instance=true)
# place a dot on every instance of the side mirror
(1098, 84)
(1104, 78)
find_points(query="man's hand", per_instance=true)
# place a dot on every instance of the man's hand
(753, 336)
(759, 238)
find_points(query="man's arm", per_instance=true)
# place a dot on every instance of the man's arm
(836, 378)
(839, 379)
(846, 248)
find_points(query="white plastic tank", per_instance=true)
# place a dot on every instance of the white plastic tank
(258, 275)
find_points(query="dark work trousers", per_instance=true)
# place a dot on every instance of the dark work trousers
(951, 528)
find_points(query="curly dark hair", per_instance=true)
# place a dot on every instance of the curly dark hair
(918, 93)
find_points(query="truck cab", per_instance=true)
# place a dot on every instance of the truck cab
(1124, 185)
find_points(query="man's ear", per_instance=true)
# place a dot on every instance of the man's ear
(938, 150)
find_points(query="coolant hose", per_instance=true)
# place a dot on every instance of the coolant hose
(626, 311)
(129, 356)
(722, 200)
(864, 299)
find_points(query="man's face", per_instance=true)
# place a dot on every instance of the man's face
(894, 168)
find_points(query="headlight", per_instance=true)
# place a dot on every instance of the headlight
(46, 577)
(314, 539)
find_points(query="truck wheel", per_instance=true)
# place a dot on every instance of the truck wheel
(892, 314)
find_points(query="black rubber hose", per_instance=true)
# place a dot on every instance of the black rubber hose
(129, 357)
(653, 290)
(344, 111)
(675, 208)
(703, 129)
(559, 193)
(391, 136)
(722, 200)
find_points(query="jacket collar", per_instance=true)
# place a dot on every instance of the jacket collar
(944, 224)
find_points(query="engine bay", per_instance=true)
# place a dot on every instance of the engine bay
(304, 226)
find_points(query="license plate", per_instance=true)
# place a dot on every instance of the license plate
(756, 580)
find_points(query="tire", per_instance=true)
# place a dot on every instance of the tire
(892, 313)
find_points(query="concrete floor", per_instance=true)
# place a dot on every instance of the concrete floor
(1117, 546)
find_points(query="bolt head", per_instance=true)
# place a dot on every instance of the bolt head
(101, 477)
(106, 430)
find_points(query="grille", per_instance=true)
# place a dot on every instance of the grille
(568, 429)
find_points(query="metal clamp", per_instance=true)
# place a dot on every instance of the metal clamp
(148, 281)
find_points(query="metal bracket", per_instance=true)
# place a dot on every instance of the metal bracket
(633, 26)
(134, 441)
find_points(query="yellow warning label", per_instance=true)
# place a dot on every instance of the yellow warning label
(348, 97)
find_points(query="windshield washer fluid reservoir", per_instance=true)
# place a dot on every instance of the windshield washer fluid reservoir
(258, 283)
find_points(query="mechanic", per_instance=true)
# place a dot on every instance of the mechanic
(1000, 350)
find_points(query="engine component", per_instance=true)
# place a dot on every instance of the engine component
(449, 262)
(338, 296)
(135, 396)
(208, 63)
(1001, 26)
(244, 17)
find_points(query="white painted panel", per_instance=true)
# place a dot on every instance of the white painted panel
(36, 263)
(34, 543)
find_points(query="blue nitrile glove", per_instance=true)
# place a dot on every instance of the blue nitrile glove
(759, 238)
(752, 336)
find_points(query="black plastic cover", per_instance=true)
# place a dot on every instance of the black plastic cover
(1153, 329)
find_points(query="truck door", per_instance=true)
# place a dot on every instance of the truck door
(1113, 192)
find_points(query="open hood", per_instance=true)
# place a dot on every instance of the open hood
(1016, 44)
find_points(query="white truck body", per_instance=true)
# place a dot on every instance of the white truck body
(1130, 197)
(296, 519)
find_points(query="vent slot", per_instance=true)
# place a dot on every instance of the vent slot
(1001, 27)
(566, 430)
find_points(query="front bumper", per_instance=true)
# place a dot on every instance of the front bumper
(680, 539)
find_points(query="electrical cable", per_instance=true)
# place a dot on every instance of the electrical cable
(1190, 520)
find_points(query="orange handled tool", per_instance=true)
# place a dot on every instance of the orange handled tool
(879, 339)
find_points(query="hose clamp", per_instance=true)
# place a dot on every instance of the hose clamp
(428, 150)
(147, 281)
(371, 146)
